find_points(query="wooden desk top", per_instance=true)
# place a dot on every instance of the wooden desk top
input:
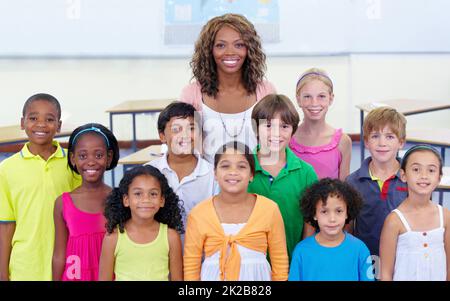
(445, 181)
(141, 106)
(143, 156)
(407, 106)
(440, 136)
(14, 134)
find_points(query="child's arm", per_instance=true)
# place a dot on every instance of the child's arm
(175, 256)
(295, 270)
(447, 239)
(193, 250)
(59, 252)
(107, 259)
(6, 234)
(276, 240)
(365, 264)
(345, 147)
(388, 246)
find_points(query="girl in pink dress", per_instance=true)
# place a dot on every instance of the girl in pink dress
(78, 215)
(327, 149)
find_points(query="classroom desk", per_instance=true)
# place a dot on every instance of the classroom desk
(439, 137)
(444, 186)
(14, 134)
(140, 157)
(134, 107)
(404, 106)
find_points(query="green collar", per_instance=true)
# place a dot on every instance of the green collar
(292, 161)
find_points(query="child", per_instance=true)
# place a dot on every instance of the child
(235, 229)
(30, 181)
(327, 149)
(189, 175)
(415, 241)
(378, 178)
(279, 174)
(228, 65)
(331, 254)
(78, 215)
(144, 216)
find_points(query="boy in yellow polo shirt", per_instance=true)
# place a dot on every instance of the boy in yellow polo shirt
(30, 181)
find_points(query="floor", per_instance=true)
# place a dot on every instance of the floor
(355, 163)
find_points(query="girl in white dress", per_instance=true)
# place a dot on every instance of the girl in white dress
(415, 240)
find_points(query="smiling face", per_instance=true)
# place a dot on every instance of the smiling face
(274, 135)
(179, 135)
(41, 122)
(331, 216)
(383, 145)
(233, 172)
(91, 157)
(314, 98)
(229, 50)
(422, 172)
(144, 197)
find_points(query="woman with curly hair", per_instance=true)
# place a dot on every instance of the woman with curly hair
(143, 224)
(331, 254)
(228, 65)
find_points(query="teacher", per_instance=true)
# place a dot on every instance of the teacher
(228, 66)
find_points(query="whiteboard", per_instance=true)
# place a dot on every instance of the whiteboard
(138, 28)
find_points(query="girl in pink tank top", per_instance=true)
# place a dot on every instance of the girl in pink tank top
(327, 149)
(78, 215)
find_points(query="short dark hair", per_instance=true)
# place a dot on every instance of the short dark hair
(272, 104)
(111, 145)
(321, 190)
(240, 147)
(174, 109)
(42, 96)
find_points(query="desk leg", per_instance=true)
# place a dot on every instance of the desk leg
(113, 180)
(443, 154)
(134, 144)
(441, 197)
(361, 135)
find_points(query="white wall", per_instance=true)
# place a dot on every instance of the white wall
(86, 88)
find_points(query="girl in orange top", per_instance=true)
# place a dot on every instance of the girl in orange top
(235, 229)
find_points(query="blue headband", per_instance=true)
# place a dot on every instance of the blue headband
(421, 147)
(314, 73)
(91, 129)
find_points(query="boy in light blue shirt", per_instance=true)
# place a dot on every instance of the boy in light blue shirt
(331, 254)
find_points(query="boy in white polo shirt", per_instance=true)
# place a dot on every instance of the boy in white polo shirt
(189, 175)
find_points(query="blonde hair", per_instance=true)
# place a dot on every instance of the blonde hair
(380, 117)
(314, 74)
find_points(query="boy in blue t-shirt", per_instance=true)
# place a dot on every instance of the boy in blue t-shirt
(331, 254)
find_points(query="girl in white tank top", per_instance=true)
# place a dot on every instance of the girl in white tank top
(414, 241)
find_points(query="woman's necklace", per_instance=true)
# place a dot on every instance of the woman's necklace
(242, 125)
(240, 130)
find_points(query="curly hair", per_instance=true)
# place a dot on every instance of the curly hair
(321, 190)
(117, 214)
(204, 67)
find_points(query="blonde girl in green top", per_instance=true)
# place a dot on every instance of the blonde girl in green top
(143, 223)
